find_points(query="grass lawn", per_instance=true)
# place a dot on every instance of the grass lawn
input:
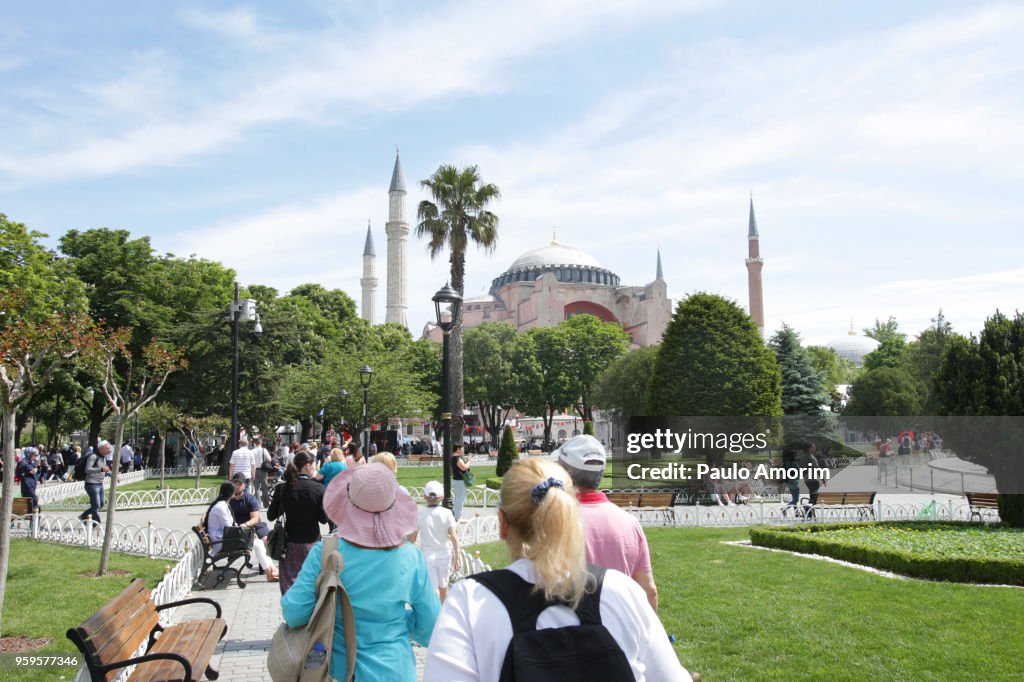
(418, 476)
(173, 483)
(747, 614)
(47, 594)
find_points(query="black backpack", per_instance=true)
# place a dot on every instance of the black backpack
(579, 652)
(80, 466)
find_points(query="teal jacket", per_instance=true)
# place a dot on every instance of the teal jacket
(380, 583)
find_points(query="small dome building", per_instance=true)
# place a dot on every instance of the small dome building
(853, 346)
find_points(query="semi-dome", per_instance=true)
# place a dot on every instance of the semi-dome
(853, 347)
(564, 262)
(554, 254)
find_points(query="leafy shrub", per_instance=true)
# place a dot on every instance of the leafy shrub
(494, 483)
(956, 552)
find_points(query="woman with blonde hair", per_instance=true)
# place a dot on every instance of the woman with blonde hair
(597, 624)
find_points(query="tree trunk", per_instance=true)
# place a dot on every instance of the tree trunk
(108, 531)
(458, 263)
(97, 413)
(307, 426)
(7, 503)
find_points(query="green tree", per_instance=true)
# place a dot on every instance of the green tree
(588, 428)
(491, 377)
(551, 389)
(834, 369)
(508, 453)
(456, 216)
(128, 387)
(984, 378)
(802, 386)
(893, 352)
(712, 362)
(32, 350)
(45, 283)
(924, 358)
(884, 331)
(886, 392)
(622, 389)
(591, 346)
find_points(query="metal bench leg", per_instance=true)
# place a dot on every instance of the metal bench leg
(211, 674)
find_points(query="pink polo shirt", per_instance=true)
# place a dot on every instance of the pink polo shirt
(614, 538)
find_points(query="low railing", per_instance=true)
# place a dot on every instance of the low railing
(773, 514)
(477, 530)
(48, 494)
(477, 496)
(143, 499)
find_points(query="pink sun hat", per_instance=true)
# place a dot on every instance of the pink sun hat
(369, 507)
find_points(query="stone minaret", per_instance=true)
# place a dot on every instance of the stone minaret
(398, 236)
(754, 265)
(369, 280)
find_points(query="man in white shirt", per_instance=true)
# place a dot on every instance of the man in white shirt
(242, 461)
(437, 525)
(125, 457)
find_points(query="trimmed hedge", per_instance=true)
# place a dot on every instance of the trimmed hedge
(804, 539)
(494, 483)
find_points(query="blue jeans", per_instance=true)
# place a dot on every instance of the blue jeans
(459, 497)
(95, 493)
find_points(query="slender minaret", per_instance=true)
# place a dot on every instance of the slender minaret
(658, 275)
(398, 233)
(369, 280)
(754, 265)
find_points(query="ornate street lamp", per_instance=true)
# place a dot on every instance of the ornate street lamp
(365, 376)
(343, 403)
(450, 297)
(244, 309)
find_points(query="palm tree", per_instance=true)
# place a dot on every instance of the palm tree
(457, 215)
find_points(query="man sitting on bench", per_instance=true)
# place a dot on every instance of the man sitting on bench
(245, 510)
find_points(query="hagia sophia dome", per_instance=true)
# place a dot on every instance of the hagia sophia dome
(568, 264)
(853, 346)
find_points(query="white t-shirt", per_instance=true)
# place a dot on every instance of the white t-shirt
(244, 461)
(433, 524)
(219, 518)
(473, 631)
(126, 453)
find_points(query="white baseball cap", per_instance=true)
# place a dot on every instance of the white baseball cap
(582, 452)
(433, 489)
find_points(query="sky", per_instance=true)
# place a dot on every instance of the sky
(882, 142)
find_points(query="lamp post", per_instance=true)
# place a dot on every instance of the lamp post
(343, 403)
(447, 295)
(244, 309)
(365, 375)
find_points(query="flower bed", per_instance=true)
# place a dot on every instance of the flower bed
(956, 552)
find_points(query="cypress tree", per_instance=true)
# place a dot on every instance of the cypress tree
(507, 452)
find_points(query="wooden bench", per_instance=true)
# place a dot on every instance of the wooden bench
(976, 501)
(661, 504)
(21, 506)
(863, 502)
(222, 561)
(111, 637)
(624, 499)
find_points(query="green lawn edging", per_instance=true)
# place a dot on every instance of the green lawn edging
(808, 539)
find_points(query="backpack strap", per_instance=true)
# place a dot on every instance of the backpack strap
(332, 560)
(524, 604)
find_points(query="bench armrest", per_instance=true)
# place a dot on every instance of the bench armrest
(165, 656)
(191, 600)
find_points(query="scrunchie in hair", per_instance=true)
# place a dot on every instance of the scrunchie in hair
(542, 488)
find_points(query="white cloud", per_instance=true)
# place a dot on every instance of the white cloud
(300, 77)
